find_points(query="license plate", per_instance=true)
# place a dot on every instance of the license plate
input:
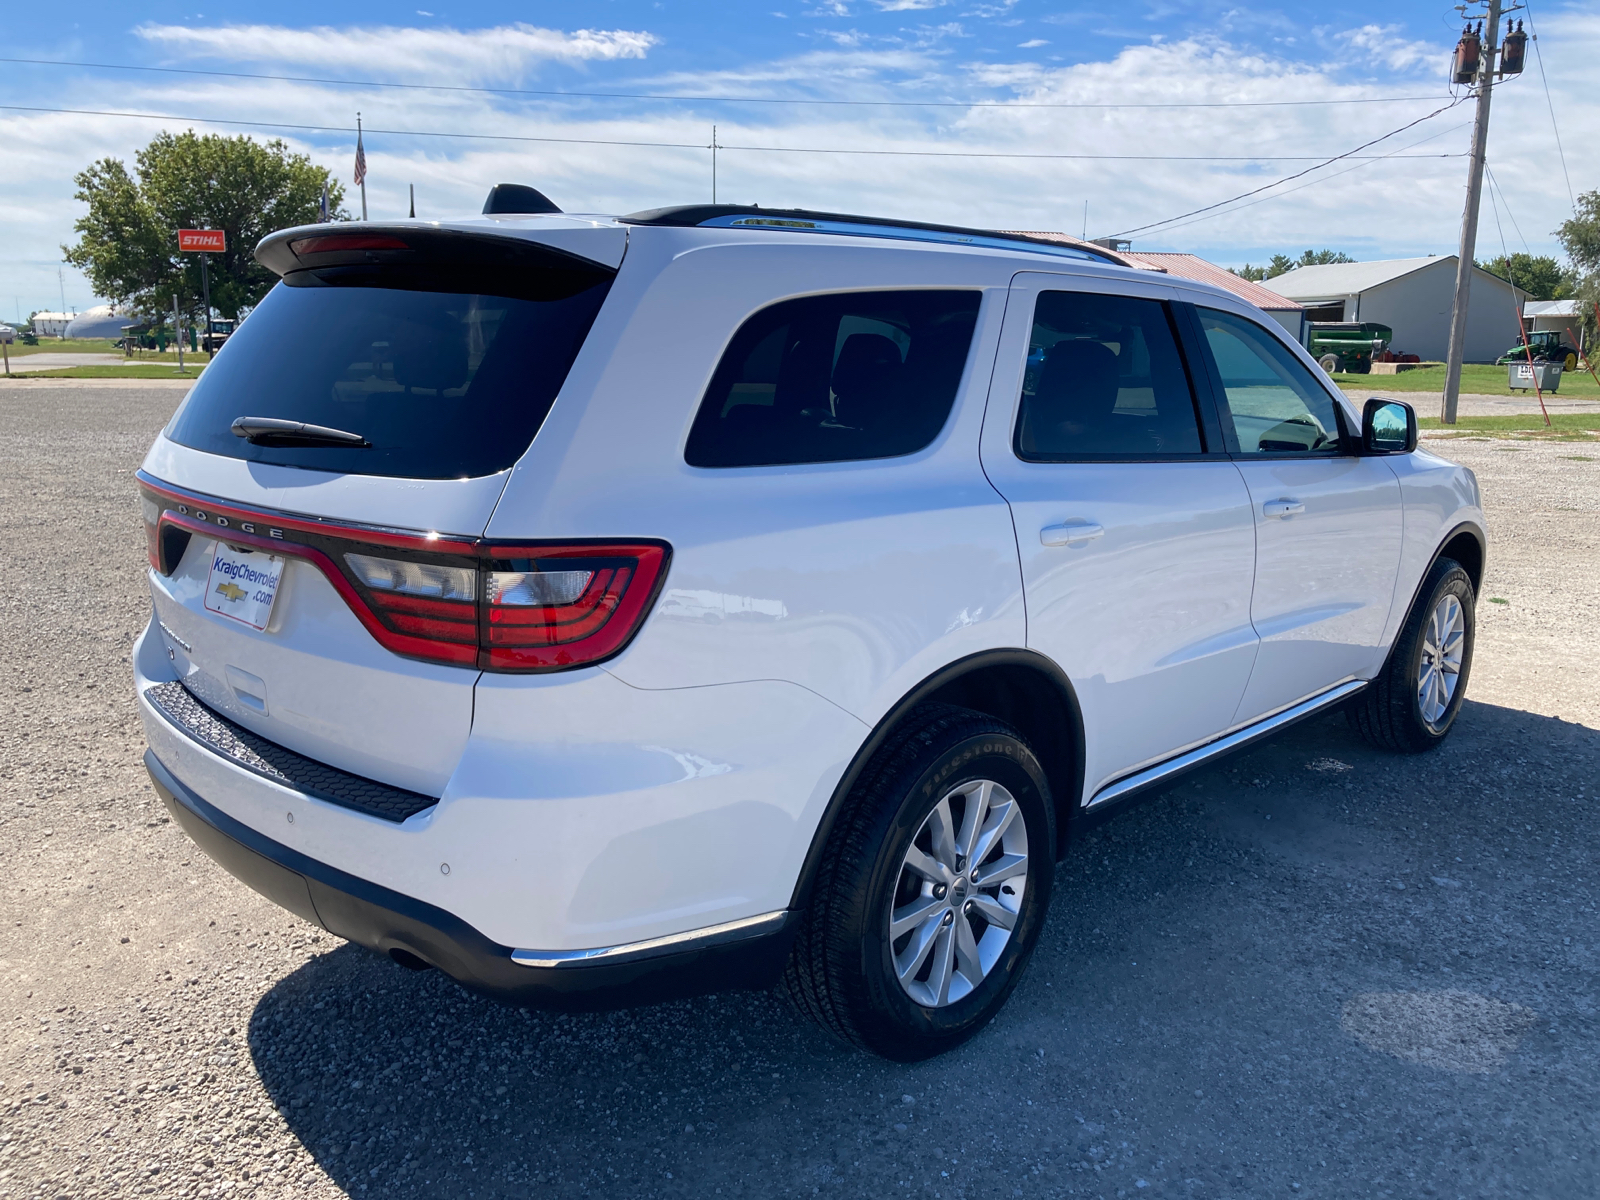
(243, 585)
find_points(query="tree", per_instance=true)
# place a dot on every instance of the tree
(1580, 238)
(128, 240)
(1540, 276)
(1281, 264)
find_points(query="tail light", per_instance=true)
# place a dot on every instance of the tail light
(467, 602)
(548, 607)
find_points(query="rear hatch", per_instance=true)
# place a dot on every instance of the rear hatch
(314, 509)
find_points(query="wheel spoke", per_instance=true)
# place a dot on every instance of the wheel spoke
(910, 960)
(1000, 818)
(929, 868)
(911, 915)
(994, 912)
(943, 965)
(941, 827)
(1002, 869)
(967, 961)
(972, 821)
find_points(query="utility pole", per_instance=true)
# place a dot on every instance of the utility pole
(1469, 219)
(713, 164)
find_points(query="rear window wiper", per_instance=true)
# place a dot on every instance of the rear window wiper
(273, 431)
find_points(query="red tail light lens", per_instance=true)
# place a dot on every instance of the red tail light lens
(548, 607)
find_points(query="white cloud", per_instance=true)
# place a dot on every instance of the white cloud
(907, 5)
(1032, 43)
(1387, 47)
(829, 8)
(502, 53)
(1382, 209)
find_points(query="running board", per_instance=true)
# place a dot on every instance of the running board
(1163, 771)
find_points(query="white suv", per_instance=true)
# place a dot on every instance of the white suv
(599, 609)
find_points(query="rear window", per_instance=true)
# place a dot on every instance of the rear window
(829, 378)
(446, 370)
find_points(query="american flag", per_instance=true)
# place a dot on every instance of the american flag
(361, 161)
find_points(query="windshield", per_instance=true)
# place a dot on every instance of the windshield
(443, 379)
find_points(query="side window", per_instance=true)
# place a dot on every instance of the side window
(1276, 404)
(1104, 380)
(831, 378)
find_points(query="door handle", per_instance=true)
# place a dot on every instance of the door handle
(1069, 532)
(1283, 509)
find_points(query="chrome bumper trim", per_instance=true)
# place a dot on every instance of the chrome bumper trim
(672, 943)
(1162, 771)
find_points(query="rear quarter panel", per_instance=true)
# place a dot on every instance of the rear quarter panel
(855, 580)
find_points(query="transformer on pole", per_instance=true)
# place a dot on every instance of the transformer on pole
(1474, 65)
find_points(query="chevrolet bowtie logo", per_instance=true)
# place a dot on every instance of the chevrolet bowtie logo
(231, 591)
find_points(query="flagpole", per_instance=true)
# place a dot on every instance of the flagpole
(361, 153)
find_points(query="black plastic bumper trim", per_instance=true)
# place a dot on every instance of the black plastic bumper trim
(403, 927)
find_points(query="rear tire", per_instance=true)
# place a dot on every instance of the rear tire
(1570, 364)
(1413, 703)
(904, 950)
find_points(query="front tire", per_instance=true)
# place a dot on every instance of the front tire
(1412, 705)
(1331, 363)
(932, 889)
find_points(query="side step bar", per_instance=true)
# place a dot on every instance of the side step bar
(1162, 772)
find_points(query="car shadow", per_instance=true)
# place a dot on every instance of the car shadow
(1179, 1028)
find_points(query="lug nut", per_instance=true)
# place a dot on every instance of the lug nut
(949, 918)
(939, 891)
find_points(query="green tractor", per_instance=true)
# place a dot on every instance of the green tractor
(1348, 345)
(1546, 346)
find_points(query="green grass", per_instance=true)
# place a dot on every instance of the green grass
(49, 345)
(1479, 378)
(154, 370)
(1563, 427)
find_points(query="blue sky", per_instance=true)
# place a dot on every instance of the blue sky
(1246, 61)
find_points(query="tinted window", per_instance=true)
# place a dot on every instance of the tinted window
(442, 383)
(1104, 380)
(829, 378)
(1275, 402)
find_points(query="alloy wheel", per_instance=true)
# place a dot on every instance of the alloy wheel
(1443, 640)
(959, 893)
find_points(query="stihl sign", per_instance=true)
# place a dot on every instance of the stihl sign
(211, 240)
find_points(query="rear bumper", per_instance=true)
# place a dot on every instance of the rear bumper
(414, 932)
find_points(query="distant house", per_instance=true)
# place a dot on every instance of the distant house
(1559, 316)
(1413, 296)
(52, 324)
(1285, 312)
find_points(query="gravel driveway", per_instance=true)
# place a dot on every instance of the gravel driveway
(1313, 970)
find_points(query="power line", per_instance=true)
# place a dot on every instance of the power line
(1315, 182)
(509, 137)
(1296, 175)
(1538, 57)
(485, 91)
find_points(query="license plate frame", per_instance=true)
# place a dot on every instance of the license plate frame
(243, 585)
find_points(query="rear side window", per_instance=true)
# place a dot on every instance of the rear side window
(1104, 380)
(831, 378)
(437, 367)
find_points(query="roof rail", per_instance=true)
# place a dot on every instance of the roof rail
(750, 216)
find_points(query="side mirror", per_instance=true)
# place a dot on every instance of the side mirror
(1388, 427)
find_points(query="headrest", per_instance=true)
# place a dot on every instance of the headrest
(867, 361)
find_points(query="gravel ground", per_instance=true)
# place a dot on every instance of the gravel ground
(1313, 970)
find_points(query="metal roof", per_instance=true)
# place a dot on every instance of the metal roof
(1192, 266)
(1550, 308)
(1349, 279)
